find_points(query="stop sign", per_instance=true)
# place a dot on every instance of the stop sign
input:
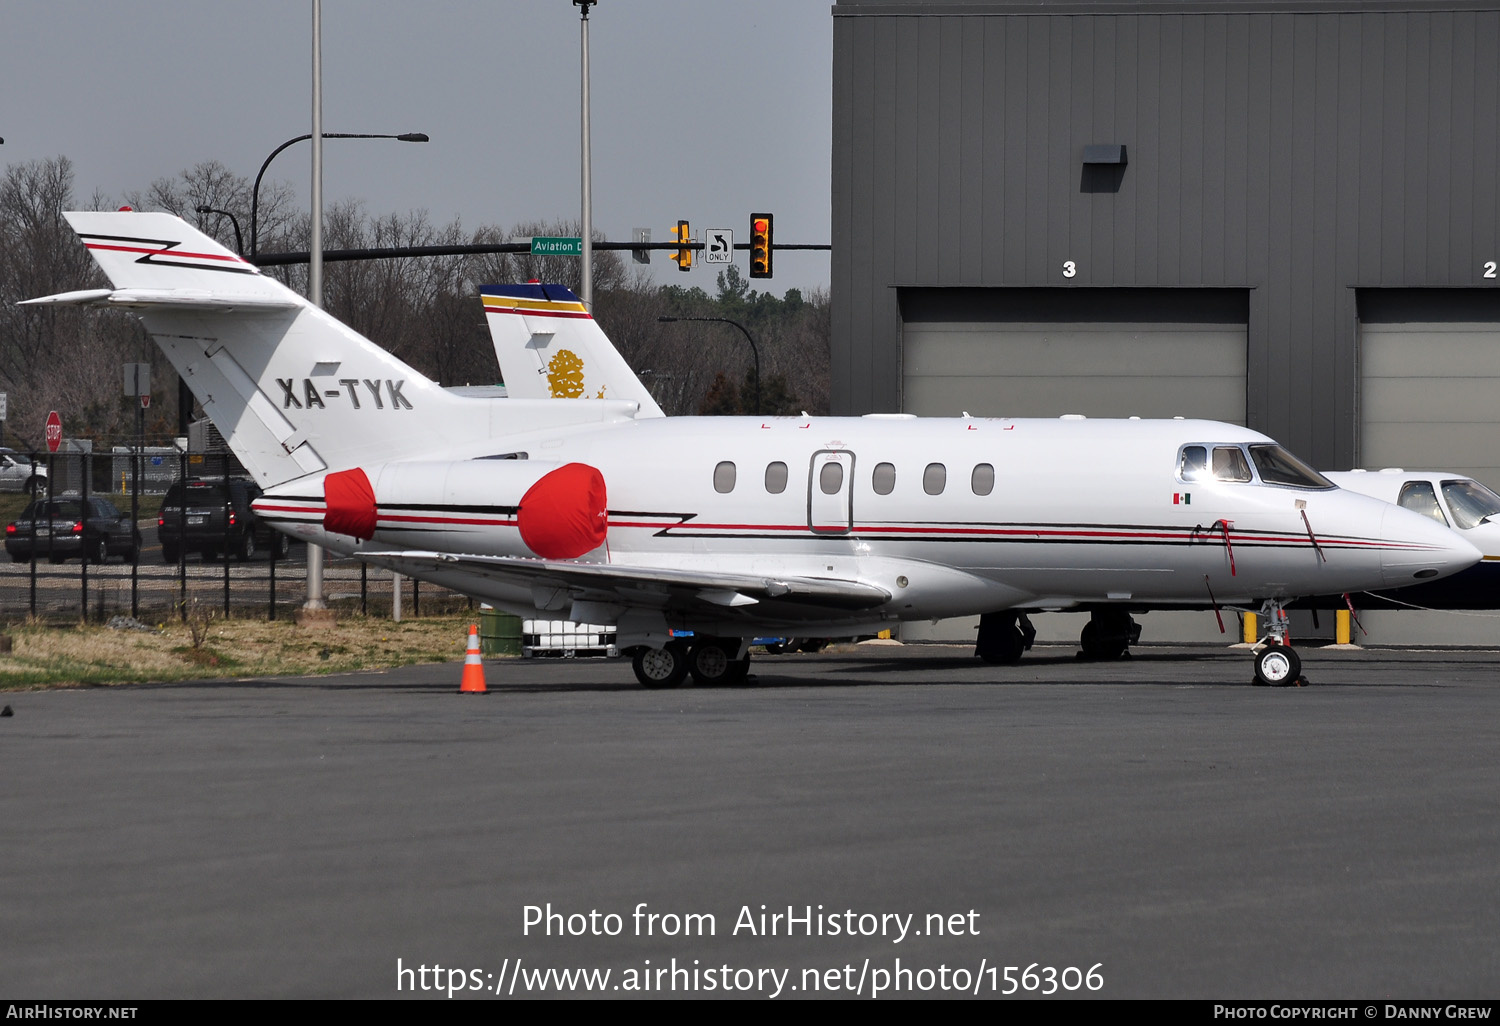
(54, 431)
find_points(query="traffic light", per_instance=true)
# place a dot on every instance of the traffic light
(760, 245)
(684, 256)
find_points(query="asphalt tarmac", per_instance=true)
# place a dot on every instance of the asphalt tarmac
(1154, 827)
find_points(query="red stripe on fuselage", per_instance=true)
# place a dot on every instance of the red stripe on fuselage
(731, 530)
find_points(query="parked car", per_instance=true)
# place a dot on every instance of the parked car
(72, 527)
(19, 474)
(213, 515)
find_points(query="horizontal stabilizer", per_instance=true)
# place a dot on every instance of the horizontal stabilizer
(177, 299)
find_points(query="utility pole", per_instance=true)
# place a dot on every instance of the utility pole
(586, 281)
(314, 610)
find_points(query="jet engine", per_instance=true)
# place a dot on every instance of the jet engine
(494, 507)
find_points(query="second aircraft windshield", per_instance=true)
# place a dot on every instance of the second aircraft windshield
(1471, 502)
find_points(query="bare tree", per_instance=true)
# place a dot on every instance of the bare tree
(424, 310)
(64, 358)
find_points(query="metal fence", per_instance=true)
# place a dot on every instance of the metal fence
(45, 580)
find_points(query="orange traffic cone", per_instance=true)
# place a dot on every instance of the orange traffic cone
(473, 679)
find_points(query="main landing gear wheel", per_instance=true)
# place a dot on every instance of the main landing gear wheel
(1003, 637)
(1277, 666)
(664, 667)
(711, 661)
(1108, 635)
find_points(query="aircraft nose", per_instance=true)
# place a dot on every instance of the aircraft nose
(1418, 548)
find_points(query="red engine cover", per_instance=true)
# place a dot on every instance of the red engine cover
(350, 503)
(564, 514)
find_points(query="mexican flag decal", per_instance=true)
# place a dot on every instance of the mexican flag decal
(1182, 498)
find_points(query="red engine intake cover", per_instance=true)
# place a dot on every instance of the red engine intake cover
(565, 514)
(349, 502)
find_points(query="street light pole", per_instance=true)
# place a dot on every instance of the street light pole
(314, 606)
(411, 137)
(239, 240)
(737, 324)
(586, 280)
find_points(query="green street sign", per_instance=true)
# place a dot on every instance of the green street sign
(543, 245)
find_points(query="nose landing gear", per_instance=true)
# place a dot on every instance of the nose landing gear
(1276, 665)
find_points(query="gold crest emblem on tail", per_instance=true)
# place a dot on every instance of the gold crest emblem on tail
(565, 375)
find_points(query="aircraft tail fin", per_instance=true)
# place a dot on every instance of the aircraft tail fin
(550, 346)
(162, 253)
(293, 390)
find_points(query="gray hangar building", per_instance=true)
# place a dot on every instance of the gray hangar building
(1279, 213)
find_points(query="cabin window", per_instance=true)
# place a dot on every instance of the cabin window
(1471, 502)
(884, 478)
(1421, 497)
(934, 479)
(1279, 467)
(1229, 464)
(983, 479)
(724, 478)
(831, 478)
(1194, 463)
(776, 478)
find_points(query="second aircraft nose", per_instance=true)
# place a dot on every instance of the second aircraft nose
(1418, 549)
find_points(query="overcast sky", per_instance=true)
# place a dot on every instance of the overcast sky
(685, 94)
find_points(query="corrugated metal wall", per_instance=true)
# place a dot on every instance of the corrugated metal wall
(1297, 150)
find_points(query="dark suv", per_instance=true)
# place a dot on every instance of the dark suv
(215, 517)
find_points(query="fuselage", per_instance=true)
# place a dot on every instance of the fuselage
(950, 516)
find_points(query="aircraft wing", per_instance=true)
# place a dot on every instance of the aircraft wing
(657, 587)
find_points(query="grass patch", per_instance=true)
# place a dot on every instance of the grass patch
(44, 655)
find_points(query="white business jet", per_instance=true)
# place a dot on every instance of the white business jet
(734, 527)
(1453, 500)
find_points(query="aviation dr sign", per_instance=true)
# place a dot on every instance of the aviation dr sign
(54, 431)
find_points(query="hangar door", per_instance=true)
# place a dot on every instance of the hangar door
(1429, 378)
(1043, 352)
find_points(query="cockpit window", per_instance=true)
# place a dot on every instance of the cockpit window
(1421, 497)
(1229, 464)
(1194, 463)
(1471, 502)
(1279, 467)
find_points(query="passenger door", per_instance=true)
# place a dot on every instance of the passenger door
(830, 487)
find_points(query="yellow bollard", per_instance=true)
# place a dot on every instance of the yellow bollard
(1341, 632)
(1250, 635)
